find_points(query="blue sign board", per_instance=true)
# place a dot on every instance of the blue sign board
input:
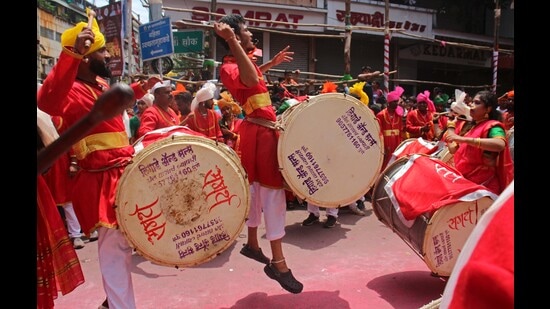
(156, 39)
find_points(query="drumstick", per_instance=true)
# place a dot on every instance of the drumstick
(91, 16)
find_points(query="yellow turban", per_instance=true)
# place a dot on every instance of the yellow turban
(68, 38)
(357, 89)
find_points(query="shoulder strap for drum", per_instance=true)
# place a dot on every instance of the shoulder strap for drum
(264, 123)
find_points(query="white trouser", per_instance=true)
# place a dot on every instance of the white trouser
(73, 226)
(115, 264)
(314, 209)
(273, 204)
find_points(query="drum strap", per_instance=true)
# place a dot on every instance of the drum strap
(265, 123)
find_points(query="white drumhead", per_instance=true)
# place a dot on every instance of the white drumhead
(183, 200)
(447, 232)
(330, 150)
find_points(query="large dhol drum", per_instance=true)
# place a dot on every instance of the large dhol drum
(437, 236)
(183, 199)
(330, 149)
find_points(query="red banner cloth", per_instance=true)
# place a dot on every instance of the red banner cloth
(425, 184)
(156, 135)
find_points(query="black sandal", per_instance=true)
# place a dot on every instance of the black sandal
(255, 255)
(286, 280)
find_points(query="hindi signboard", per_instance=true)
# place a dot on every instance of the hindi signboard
(188, 42)
(156, 39)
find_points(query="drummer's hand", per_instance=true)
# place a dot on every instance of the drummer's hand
(73, 169)
(451, 136)
(283, 56)
(436, 117)
(112, 102)
(224, 31)
(81, 38)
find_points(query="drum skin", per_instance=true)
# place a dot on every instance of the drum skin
(437, 238)
(330, 149)
(183, 200)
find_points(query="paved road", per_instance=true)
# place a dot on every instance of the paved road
(360, 263)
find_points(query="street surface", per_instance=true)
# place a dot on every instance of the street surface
(360, 263)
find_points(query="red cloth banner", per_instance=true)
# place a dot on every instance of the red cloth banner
(425, 184)
(418, 145)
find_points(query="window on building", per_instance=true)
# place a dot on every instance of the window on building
(47, 33)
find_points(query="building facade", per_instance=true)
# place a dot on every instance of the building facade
(430, 44)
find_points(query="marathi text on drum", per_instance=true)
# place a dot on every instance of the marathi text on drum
(353, 128)
(196, 235)
(217, 184)
(167, 159)
(203, 244)
(463, 219)
(312, 166)
(147, 218)
(442, 253)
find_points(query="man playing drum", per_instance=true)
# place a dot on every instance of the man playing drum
(102, 153)
(245, 81)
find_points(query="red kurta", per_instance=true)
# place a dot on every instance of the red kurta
(392, 127)
(415, 121)
(57, 177)
(102, 154)
(155, 118)
(258, 143)
(207, 125)
(495, 174)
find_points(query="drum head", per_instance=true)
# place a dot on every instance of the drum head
(330, 150)
(183, 200)
(447, 232)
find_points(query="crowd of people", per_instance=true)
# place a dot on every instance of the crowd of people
(475, 127)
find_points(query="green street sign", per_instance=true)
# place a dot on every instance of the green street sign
(188, 41)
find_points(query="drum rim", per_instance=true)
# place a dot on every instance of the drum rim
(438, 220)
(199, 141)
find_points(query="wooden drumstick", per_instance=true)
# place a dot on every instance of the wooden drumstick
(91, 16)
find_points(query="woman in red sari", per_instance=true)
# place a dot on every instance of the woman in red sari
(481, 154)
